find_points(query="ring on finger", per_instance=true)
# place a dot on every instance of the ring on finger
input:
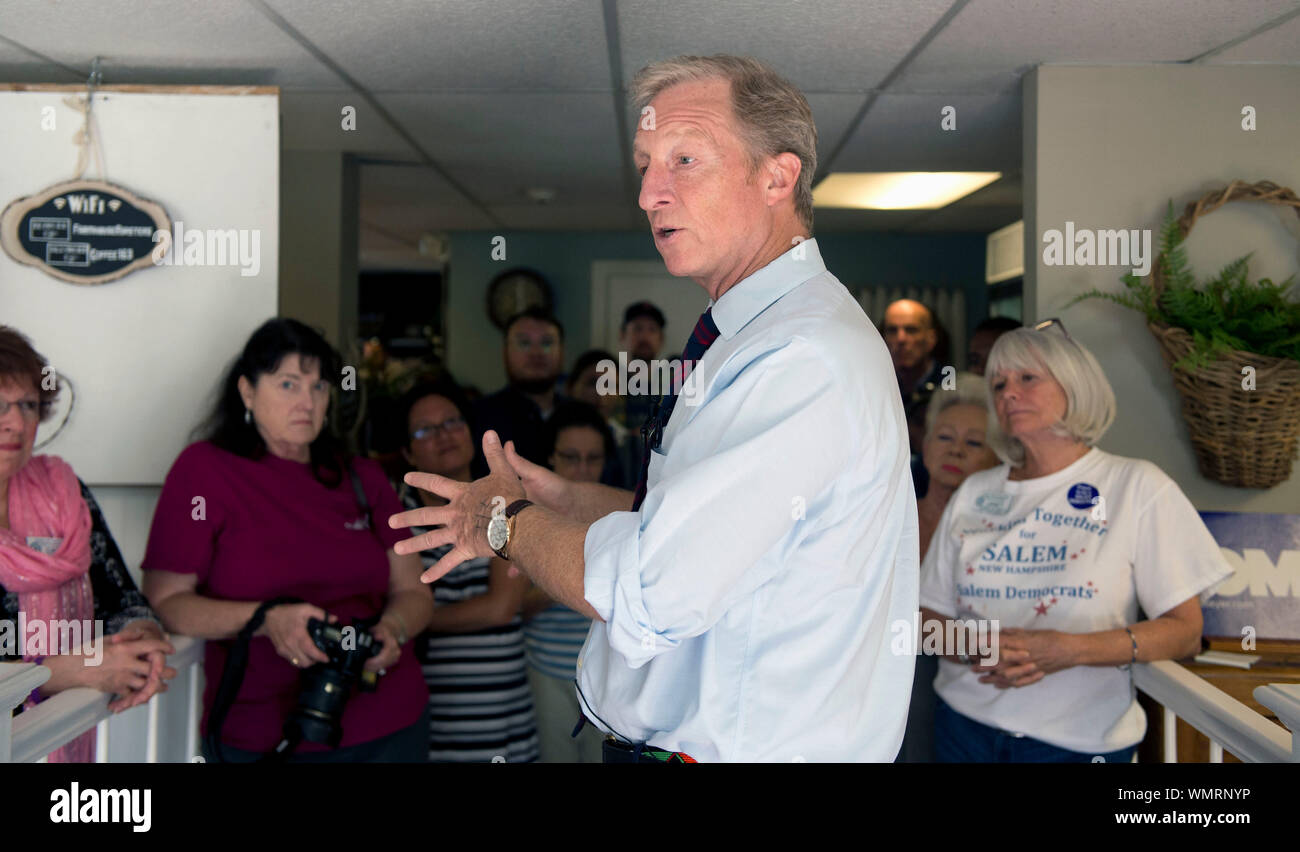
(294, 661)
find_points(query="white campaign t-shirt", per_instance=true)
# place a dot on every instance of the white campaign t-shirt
(1075, 551)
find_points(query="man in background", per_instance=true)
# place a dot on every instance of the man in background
(982, 340)
(642, 338)
(642, 334)
(533, 353)
(910, 332)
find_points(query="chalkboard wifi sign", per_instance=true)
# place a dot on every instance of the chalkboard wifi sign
(84, 231)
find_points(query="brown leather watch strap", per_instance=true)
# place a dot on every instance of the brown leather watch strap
(509, 515)
(516, 507)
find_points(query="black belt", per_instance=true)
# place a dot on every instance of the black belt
(617, 751)
(614, 750)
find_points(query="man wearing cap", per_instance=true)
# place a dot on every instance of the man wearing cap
(747, 599)
(642, 334)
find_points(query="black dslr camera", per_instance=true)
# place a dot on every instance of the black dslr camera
(326, 687)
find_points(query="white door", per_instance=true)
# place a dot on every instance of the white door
(615, 284)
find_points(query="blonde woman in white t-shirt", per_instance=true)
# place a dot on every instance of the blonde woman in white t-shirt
(1063, 547)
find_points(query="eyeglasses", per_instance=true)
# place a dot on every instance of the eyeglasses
(1049, 323)
(30, 409)
(447, 426)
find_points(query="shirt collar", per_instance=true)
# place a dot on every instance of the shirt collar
(749, 297)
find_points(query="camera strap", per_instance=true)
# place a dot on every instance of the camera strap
(362, 502)
(232, 676)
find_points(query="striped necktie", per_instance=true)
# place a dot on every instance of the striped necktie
(652, 431)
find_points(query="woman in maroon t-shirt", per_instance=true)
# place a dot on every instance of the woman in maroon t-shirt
(265, 508)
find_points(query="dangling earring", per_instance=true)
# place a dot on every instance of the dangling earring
(248, 416)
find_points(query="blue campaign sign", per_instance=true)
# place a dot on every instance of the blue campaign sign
(1264, 591)
(84, 231)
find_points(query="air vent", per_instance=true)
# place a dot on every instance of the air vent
(1005, 255)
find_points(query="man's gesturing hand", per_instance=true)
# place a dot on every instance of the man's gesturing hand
(544, 486)
(463, 522)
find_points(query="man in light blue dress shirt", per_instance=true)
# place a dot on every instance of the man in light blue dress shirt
(746, 610)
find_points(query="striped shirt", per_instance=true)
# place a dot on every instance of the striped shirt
(480, 705)
(553, 639)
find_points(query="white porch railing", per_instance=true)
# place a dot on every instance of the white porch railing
(1228, 723)
(171, 717)
(174, 716)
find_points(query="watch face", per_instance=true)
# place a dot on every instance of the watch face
(496, 532)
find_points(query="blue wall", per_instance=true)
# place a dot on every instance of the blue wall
(564, 257)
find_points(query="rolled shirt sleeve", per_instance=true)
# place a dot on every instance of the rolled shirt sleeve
(738, 473)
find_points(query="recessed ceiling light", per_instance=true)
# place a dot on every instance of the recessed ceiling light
(540, 194)
(898, 190)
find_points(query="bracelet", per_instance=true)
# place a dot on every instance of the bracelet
(1135, 645)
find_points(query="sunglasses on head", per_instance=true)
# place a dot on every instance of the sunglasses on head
(1050, 323)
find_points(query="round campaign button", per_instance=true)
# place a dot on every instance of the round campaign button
(1082, 495)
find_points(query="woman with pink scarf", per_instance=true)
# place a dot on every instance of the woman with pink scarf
(58, 562)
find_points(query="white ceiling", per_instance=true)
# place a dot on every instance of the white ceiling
(462, 106)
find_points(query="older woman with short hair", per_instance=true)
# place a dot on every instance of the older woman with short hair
(59, 562)
(954, 447)
(1062, 545)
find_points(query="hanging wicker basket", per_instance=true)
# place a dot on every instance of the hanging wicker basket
(1242, 437)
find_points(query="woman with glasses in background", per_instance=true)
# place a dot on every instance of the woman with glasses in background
(581, 445)
(1062, 545)
(480, 706)
(59, 563)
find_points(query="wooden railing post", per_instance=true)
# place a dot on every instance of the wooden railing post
(1284, 700)
(61, 718)
(17, 680)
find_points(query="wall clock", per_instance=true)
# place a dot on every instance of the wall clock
(516, 290)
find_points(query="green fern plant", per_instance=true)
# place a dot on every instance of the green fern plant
(1224, 313)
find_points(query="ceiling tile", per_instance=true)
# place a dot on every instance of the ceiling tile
(442, 45)
(405, 201)
(216, 42)
(313, 121)
(1280, 45)
(825, 46)
(905, 133)
(989, 45)
(499, 145)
